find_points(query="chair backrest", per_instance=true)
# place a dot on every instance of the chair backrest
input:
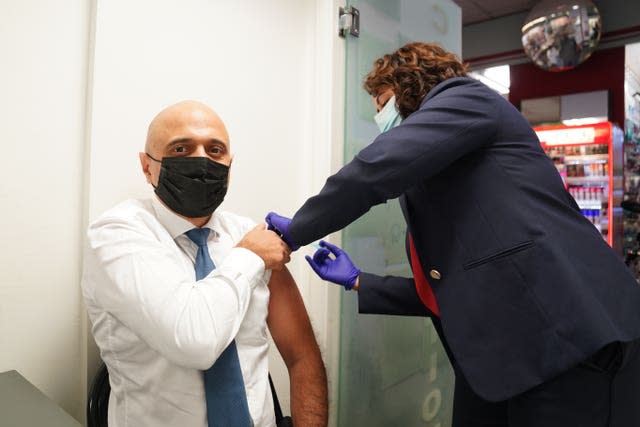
(281, 421)
(98, 399)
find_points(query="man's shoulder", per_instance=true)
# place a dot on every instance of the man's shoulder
(233, 222)
(128, 211)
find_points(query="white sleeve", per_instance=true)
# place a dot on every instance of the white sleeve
(137, 279)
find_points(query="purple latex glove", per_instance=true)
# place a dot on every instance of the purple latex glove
(340, 270)
(280, 224)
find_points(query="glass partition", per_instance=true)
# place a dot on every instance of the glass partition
(393, 370)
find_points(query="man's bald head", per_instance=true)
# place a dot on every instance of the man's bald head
(175, 120)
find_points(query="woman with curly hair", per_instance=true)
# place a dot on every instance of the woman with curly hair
(539, 316)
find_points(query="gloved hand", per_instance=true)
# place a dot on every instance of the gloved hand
(280, 224)
(340, 270)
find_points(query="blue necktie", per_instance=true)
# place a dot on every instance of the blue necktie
(224, 387)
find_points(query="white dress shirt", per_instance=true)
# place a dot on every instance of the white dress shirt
(158, 328)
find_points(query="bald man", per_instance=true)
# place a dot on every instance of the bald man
(180, 294)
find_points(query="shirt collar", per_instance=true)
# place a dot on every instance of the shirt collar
(174, 223)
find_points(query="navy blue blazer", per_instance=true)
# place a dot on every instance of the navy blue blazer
(526, 286)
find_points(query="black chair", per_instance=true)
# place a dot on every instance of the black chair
(98, 401)
(281, 421)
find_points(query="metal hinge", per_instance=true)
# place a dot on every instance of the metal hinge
(349, 21)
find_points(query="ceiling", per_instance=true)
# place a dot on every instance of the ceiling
(474, 11)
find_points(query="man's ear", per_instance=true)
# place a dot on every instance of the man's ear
(144, 164)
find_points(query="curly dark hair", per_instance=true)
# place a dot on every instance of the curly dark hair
(411, 72)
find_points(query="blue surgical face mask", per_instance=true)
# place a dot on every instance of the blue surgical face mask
(389, 116)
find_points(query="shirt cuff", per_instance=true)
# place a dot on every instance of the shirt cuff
(245, 263)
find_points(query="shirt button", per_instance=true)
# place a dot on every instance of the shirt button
(435, 274)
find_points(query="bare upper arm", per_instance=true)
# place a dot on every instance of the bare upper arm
(288, 320)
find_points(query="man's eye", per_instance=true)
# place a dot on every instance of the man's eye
(215, 150)
(179, 149)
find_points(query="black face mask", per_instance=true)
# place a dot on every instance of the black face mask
(192, 186)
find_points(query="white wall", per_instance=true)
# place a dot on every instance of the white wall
(42, 82)
(80, 82)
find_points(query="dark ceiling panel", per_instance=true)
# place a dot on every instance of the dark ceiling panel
(474, 11)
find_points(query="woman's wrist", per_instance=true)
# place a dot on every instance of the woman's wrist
(356, 287)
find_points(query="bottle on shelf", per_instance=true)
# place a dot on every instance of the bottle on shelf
(590, 202)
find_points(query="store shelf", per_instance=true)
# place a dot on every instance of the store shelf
(589, 204)
(586, 158)
(586, 179)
